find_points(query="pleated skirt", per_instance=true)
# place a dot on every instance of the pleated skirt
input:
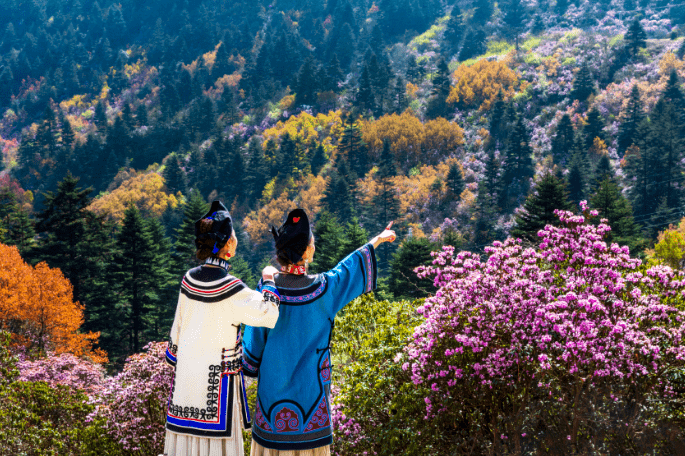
(176, 444)
(258, 450)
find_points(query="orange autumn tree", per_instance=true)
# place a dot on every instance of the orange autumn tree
(38, 309)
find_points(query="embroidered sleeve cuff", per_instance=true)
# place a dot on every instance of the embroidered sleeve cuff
(370, 267)
(171, 354)
(270, 293)
(250, 369)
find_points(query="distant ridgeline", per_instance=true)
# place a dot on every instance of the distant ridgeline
(465, 123)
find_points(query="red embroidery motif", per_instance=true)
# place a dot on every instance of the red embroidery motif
(286, 421)
(320, 418)
(296, 219)
(326, 370)
(261, 421)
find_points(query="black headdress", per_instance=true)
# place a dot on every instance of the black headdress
(221, 230)
(293, 237)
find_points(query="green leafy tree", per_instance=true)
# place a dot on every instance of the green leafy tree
(578, 176)
(454, 29)
(318, 160)
(538, 211)
(482, 12)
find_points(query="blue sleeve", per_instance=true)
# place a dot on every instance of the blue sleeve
(254, 342)
(353, 276)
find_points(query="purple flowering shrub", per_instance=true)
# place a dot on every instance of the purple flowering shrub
(133, 403)
(572, 346)
(64, 369)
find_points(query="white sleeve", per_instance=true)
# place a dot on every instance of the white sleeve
(255, 308)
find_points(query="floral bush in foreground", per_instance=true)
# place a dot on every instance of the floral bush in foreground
(569, 348)
(133, 403)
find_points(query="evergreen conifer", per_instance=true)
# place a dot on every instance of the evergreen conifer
(635, 37)
(404, 283)
(583, 84)
(538, 211)
(455, 181)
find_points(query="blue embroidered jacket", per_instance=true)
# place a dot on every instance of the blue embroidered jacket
(293, 360)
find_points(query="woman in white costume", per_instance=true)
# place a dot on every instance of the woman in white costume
(207, 407)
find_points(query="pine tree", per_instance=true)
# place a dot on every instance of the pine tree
(474, 45)
(563, 140)
(174, 176)
(400, 102)
(514, 19)
(141, 115)
(365, 99)
(256, 172)
(63, 229)
(306, 86)
(184, 247)
(639, 168)
(665, 145)
(355, 236)
(413, 73)
(482, 11)
(485, 215)
(497, 125)
(635, 37)
(538, 211)
(404, 283)
(609, 201)
(518, 167)
(134, 271)
(632, 118)
(21, 232)
(319, 159)
(385, 202)
(561, 7)
(602, 171)
(351, 146)
(594, 128)
(164, 283)
(454, 29)
(583, 84)
(241, 269)
(673, 93)
(67, 133)
(455, 181)
(577, 176)
(538, 25)
(328, 235)
(437, 106)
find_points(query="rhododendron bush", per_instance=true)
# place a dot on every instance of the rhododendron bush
(572, 346)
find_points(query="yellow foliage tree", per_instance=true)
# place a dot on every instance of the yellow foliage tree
(411, 141)
(670, 247)
(309, 130)
(37, 307)
(478, 85)
(146, 190)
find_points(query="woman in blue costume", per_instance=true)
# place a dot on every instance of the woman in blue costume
(293, 360)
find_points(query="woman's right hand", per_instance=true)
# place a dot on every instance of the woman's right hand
(268, 273)
(388, 235)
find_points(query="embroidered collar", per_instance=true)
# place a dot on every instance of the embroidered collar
(218, 262)
(294, 269)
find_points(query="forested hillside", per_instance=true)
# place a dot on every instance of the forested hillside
(560, 124)
(465, 122)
